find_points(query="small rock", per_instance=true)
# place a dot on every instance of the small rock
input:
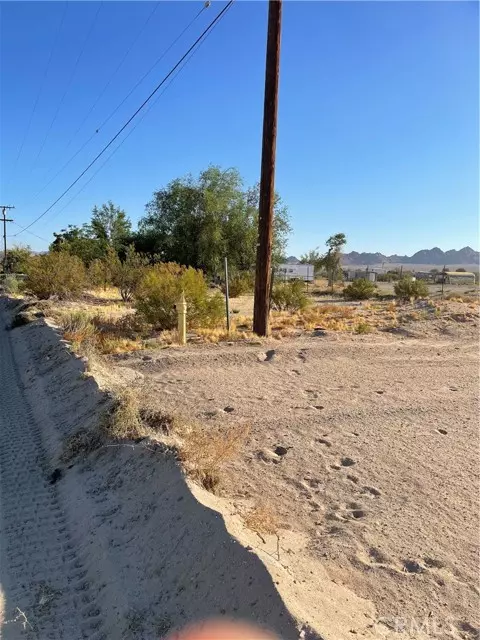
(147, 358)
(55, 476)
(229, 409)
(281, 451)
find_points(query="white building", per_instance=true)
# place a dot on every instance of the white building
(295, 271)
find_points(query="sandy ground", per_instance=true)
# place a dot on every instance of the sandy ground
(382, 463)
(376, 487)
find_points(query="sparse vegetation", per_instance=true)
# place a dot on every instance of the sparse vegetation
(406, 288)
(81, 443)
(240, 284)
(363, 327)
(205, 451)
(263, 519)
(289, 296)
(55, 274)
(361, 289)
(123, 421)
(10, 284)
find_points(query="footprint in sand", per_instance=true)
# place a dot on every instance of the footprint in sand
(372, 491)
(412, 566)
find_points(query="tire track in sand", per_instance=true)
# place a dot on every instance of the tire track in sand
(41, 572)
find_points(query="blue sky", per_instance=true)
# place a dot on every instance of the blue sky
(378, 118)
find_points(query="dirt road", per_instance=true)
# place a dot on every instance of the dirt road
(42, 578)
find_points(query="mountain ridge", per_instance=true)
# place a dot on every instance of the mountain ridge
(435, 256)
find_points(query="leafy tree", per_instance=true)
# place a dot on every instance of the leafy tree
(332, 259)
(108, 228)
(313, 257)
(77, 241)
(110, 225)
(198, 221)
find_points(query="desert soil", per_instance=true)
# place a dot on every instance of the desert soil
(366, 448)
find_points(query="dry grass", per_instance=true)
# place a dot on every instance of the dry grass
(263, 519)
(204, 451)
(81, 443)
(124, 421)
(220, 335)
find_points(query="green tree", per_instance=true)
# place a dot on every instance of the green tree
(110, 225)
(332, 259)
(77, 241)
(198, 221)
(313, 257)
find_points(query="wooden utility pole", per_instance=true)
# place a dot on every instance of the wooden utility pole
(267, 177)
(4, 208)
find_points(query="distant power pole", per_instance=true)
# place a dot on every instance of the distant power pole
(267, 178)
(4, 208)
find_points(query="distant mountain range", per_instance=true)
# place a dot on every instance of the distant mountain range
(426, 256)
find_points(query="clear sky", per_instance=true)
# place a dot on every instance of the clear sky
(378, 132)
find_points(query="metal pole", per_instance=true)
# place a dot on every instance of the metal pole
(227, 298)
(267, 177)
(5, 220)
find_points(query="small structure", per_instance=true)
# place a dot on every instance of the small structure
(455, 277)
(295, 271)
(360, 274)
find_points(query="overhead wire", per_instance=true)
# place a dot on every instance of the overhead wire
(172, 79)
(40, 89)
(112, 76)
(69, 84)
(28, 231)
(97, 130)
(144, 103)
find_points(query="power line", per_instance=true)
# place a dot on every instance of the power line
(28, 231)
(69, 84)
(169, 74)
(109, 81)
(97, 130)
(42, 83)
(172, 79)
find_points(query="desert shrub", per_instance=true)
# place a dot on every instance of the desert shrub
(55, 274)
(363, 327)
(123, 421)
(240, 284)
(10, 284)
(407, 288)
(77, 327)
(99, 274)
(160, 289)
(127, 275)
(263, 518)
(360, 289)
(289, 296)
(204, 452)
